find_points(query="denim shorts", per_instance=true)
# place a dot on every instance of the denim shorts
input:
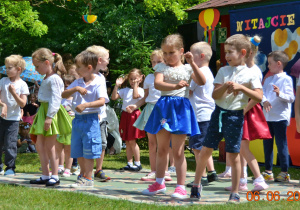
(196, 142)
(86, 137)
(226, 124)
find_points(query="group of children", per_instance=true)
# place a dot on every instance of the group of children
(181, 100)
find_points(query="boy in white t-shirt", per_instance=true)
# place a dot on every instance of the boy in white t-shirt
(13, 91)
(88, 97)
(203, 105)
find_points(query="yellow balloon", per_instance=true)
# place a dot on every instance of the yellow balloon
(209, 17)
(91, 18)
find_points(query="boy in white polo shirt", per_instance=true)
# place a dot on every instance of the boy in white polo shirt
(88, 97)
(277, 101)
(13, 91)
(203, 105)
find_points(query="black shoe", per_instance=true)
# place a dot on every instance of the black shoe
(139, 167)
(212, 177)
(39, 181)
(126, 168)
(195, 193)
(52, 184)
(204, 181)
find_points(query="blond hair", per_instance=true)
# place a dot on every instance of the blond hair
(16, 61)
(157, 52)
(239, 41)
(202, 47)
(175, 40)
(68, 78)
(279, 56)
(126, 77)
(98, 50)
(43, 54)
(87, 58)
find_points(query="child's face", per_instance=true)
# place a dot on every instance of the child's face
(274, 67)
(172, 55)
(12, 71)
(103, 62)
(82, 70)
(156, 59)
(68, 64)
(32, 99)
(133, 77)
(232, 56)
(43, 67)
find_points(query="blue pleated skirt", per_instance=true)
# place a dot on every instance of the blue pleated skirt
(175, 114)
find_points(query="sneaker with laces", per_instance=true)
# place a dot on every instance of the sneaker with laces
(168, 176)
(212, 177)
(101, 176)
(196, 193)
(155, 189)
(149, 177)
(1, 172)
(259, 186)
(66, 174)
(179, 193)
(242, 187)
(234, 198)
(172, 169)
(82, 183)
(282, 177)
(268, 177)
(9, 172)
(225, 174)
(61, 170)
(75, 170)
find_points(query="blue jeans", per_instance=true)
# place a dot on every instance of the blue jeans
(277, 130)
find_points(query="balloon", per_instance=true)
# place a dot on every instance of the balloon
(209, 17)
(201, 20)
(89, 18)
(216, 18)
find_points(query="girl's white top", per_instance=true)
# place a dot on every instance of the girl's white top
(94, 92)
(50, 91)
(241, 75)
(154, 94)
(127, 93)
(256, 71)
(13, 109)
(201, 98)
(173, 75)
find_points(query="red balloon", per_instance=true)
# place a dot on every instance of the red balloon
(216, 19)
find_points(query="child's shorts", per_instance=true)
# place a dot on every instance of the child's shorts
(195, 142)
(226, 124)
(86, 137)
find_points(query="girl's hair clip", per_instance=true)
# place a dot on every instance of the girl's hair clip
(254, 42)
(53, 54)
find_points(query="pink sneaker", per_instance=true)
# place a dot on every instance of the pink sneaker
(179, 193)
(225, 175)
(259, 186)
(155, 189)
(167, 176)
(242, 187)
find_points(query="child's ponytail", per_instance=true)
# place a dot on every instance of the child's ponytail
(59, 65)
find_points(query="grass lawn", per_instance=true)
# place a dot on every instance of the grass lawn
(15, 197)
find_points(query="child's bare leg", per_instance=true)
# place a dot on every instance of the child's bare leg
(81, 164)
(152, 144)
(44, 159)
(99, 161)
(88, 167)
(50, 142)
(61, 156)
(243, 165)
(163, 144)
(234, 159)
(178, 142)
(251, 160)
(68, 158)
(171, 158)
(135, 149)
(129, 152)
(204, 155)
(197, 158)
(210, 164)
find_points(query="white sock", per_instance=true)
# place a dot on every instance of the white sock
(61, 166)
(243, 181)
(181, 186)
(44, 177)
(55, 177)
(138, 163)
(160, 180)
(228, 169)
(245, 171)
(259, 179)
(130, 163)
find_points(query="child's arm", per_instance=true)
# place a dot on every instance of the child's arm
(4, 109)
(115, 95)
(68, 93)
(21, 100)
(159, 83)
(135, 94)
(250, 105)
(287, 94)
(81, 107)
(219, 90)
(255, 94)
(132, 107)
(197, 76)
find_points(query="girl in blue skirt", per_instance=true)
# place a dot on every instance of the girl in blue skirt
(173, 116)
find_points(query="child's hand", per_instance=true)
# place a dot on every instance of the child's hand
(47, 123)
(120, 81)
(267, 106)
(11, 88)
(4, 111)
(131, 108)
(181, 84)
(189, 57)
(80, 108)
(276, 90)
(234, 88)
(36, 105)
(81, 90)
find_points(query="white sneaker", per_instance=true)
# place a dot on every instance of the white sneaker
(82, 183)
(2, 172)
(149, 177)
